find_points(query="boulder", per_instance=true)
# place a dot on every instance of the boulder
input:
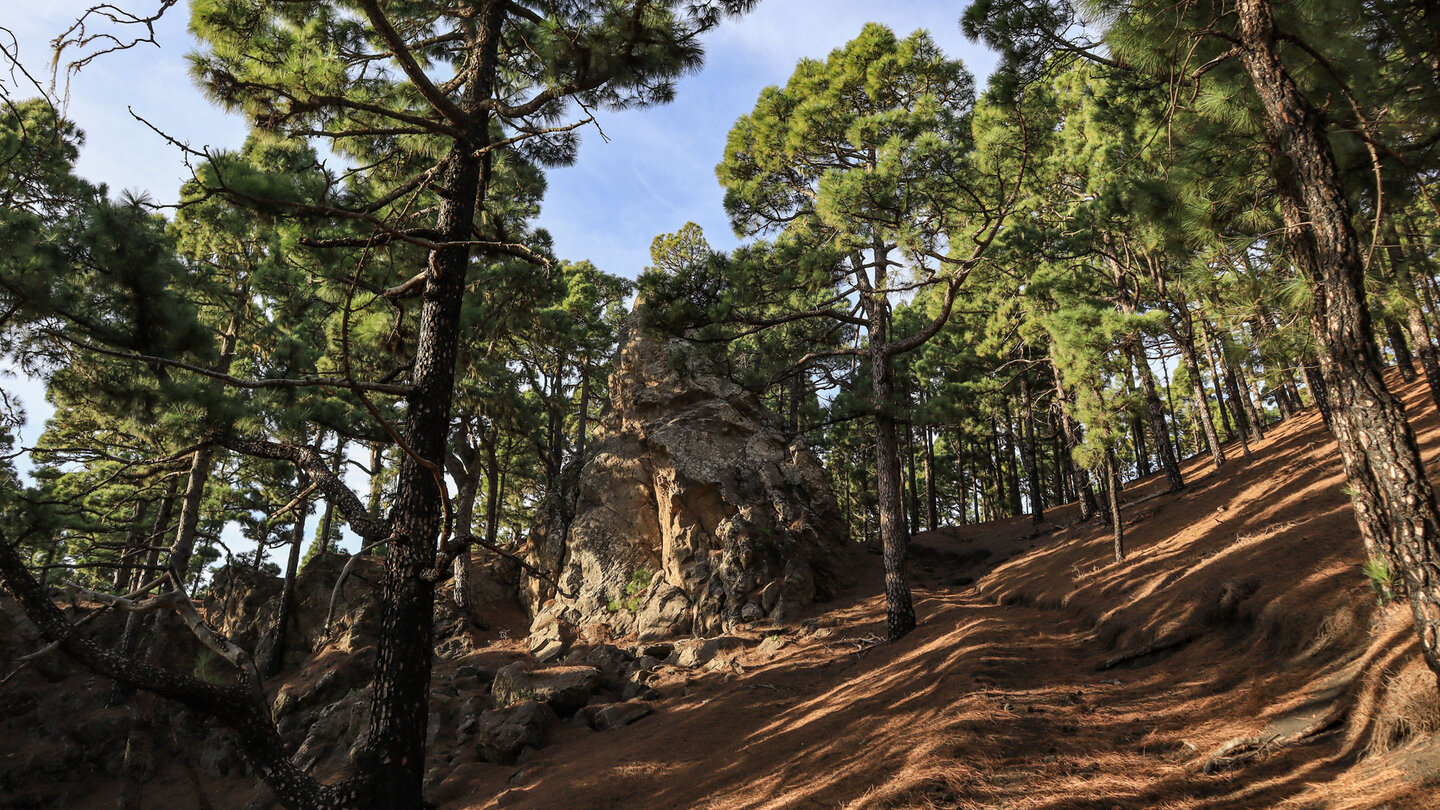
(696, 652)
(563, 689)
(504, 733)
(690, 513)
(606, 716)
(549, 636)
(613, 664)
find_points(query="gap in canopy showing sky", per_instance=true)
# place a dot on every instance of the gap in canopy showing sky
(655, 173)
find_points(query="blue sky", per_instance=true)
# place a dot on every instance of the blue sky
(655, 173)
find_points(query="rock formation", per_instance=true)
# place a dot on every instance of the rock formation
(690, 513)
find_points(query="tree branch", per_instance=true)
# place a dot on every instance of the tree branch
(314, 466)
(413, 71)
(237, 382)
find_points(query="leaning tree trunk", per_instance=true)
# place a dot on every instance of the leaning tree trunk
(120, 692)
(1393, 499)
(1404, 360)
(1158, 429)
(1240, 389)
(1112, 491)
(1084, 491)
(1197, 390)
(1316, 383)
(132, 550)
(1253, 400)
(1415, 316)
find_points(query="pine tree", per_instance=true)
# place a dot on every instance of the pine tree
(309, 69)
(871, 155)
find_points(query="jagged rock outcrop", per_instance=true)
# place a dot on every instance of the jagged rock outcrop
(690, 514)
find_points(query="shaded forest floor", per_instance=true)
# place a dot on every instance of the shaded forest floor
(1247, 585)
(1042, 674)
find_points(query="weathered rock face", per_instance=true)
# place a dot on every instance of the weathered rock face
(690, 513)
(243, 605)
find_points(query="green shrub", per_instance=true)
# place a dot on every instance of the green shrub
(1382, 578)
(639, 581)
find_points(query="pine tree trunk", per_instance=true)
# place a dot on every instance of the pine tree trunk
(932, 497)
(377, 478)
(493, 480)
(912, 475)
(1112, 487)
(1316, 384)
(1251, 388)
(119, 692)
(1219, 385)
(1158, 429)
(1071, 431)
(1186, 343)
(393, 756)
(1032, 465)
(1404, 360)
(899, 610)
(1061, 470)
(582, 426)
(468, 474)
(323, 543)
(1012, 467)
(1253, 419)
(1137, 429)
(201, 463)
(1415, 316)
(132, 549)
(962, 473)
(1393, 499)
(272, 657)
(1292, 389)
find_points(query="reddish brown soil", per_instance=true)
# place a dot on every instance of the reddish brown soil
(998, 699)
(1246, 585)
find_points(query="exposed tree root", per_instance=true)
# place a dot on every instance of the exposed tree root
(1174, 642)
(1241, 750)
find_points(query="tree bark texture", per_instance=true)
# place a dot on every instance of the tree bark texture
(1393, 499)
(1032, 464)
(899, 610)
(1159, 431)
(1112, 492)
